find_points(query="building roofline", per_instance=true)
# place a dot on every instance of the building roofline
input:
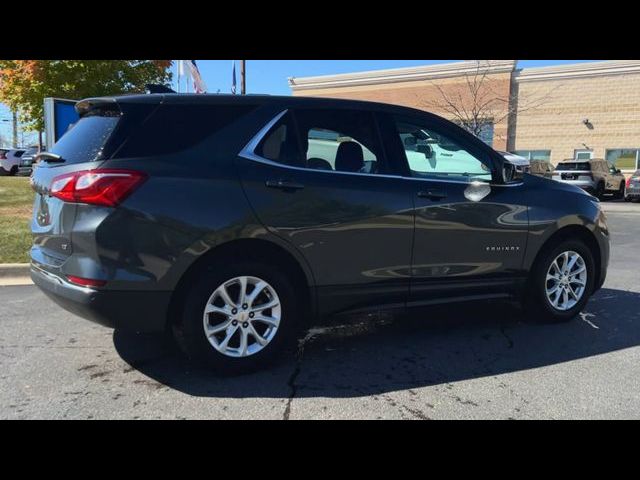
(395, 75)
(577, 70)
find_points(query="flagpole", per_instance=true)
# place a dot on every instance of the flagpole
(243, 82)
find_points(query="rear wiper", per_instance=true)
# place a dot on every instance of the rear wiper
(50, 157)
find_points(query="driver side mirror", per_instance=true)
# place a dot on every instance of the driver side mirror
(510, 173)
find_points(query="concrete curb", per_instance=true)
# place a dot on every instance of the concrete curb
(14, 270)
(15, 274)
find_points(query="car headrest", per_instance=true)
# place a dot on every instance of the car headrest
(349, 157)
(319, 164)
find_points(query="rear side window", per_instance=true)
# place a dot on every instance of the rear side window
(573, 166)
(84, 140)
(19, 153)
(174, 128)
(281, 144)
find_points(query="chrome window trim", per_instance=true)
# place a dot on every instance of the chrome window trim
(248, 153)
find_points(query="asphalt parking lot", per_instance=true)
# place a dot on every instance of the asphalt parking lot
(475, 361)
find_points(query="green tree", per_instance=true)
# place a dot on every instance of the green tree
(24, 84)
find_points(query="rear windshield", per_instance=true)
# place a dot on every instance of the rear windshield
(85, 139)
(574, 166)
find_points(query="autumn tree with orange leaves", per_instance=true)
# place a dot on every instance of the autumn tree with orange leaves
(24, 84)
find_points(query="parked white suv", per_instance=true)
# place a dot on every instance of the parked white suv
(9, 160)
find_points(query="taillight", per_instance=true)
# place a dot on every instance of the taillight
(3, 156)
(105, 187)
(628, 182)
(86, 282)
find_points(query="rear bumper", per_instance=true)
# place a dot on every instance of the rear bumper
(583, 184)
(140, 311)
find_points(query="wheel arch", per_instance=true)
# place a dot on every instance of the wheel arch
(574, 231)
(246, 249)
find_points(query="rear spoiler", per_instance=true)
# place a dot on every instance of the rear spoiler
(157, 88)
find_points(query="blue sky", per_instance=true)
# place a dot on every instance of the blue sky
(270, 76)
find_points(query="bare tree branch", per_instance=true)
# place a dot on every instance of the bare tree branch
(476, 102)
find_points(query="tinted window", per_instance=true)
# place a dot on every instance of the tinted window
(19, 153)
(84, 141)
(339, 140)
(573, 166)
(281, 145)
(173, 128)
(431, 154)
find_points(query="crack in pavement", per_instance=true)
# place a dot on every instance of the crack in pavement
(296, 371)
(302, 343)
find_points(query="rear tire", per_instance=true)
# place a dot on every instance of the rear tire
(621, 191)
(600, 191)
(539, 302)
(242, 351)
(13, 171)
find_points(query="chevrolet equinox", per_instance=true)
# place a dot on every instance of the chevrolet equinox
(234, 220)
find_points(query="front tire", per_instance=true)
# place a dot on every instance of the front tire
(560, 282)
(238, 318)
(621, 191)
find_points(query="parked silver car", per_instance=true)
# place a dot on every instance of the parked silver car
(596, 176)
(27, 162)
(633, 188)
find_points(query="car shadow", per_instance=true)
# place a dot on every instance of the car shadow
(369, 356)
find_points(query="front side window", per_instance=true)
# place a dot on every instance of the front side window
(431, 154)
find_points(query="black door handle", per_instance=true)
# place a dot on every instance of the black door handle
(284, 184)
(432, 194)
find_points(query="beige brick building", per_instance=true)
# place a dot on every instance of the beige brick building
(588, 110)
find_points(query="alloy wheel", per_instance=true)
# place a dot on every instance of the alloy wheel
(242, 316)
(566, 280)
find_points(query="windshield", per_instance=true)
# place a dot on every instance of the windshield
(574, 166)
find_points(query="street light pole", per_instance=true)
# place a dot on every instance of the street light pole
(243, 77)
(15, 129)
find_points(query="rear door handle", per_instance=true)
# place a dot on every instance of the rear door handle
(284, 184)
(432, 194)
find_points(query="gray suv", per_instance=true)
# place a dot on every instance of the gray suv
(235, 220)
(596, 176)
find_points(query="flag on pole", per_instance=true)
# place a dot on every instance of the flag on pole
(192, 70)
(233, 77)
